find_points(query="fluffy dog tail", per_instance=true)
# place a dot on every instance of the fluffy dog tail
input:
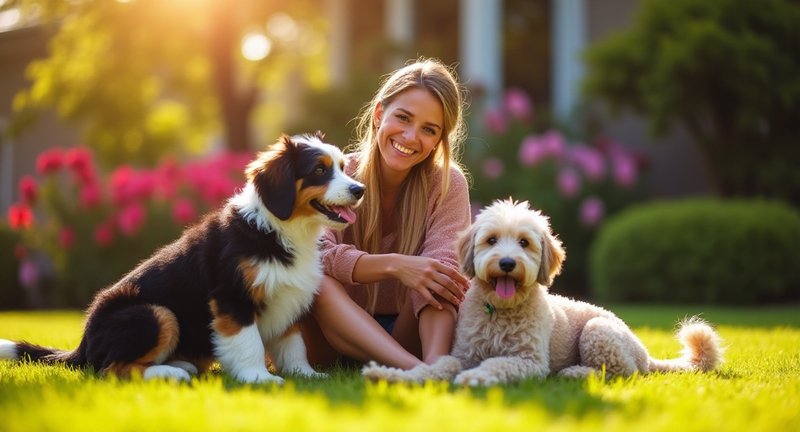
(702, 349)
(26, 351)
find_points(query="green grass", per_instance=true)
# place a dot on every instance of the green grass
(757, 389)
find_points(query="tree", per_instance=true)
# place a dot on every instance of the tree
(147, 77)
(726, 70)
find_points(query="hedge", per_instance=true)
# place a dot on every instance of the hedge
(699, 250)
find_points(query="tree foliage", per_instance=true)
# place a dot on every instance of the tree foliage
(726, 70)
(147, 77)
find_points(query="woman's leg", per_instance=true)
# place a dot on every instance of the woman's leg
(430, 336)
(436, 329)
(350, 330)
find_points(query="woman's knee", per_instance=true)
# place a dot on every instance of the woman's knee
(329, 290)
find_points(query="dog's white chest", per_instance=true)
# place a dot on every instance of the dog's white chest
(288, 293)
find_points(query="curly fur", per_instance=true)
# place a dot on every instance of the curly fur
(506, 334)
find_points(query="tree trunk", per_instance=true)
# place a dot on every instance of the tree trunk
(235, 104)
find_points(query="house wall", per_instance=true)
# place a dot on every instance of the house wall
(18, 157)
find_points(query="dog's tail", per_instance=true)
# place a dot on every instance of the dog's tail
(702, 349)
(23, 351)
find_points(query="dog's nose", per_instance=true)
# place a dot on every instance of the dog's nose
(507, 264)
(357, 190)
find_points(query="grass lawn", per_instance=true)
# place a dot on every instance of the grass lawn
(757, 389)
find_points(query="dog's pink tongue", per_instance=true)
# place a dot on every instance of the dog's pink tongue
(345, 213)
(505, 287)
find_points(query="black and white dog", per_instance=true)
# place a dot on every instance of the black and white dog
(229, 286)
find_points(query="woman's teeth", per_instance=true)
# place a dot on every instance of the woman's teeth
(401, 149)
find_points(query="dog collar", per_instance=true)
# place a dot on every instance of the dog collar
(489, 308)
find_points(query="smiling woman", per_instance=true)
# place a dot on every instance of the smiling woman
(392, 284)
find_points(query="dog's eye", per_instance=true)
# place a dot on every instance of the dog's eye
(523, 243)
(491, 240)
(319, 170)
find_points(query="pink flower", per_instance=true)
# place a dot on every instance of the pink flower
(569, 182)
(104, 235)
(183, 212)
(553, 142)
(49, 161)
(131, 218)
(90, 196)
(121, 180)
(79, 160)
(29, 273)
(495, 121)
(20, 216)
(518, 104)
(28, 189)
(590, 161)
(625, 171)
(66, 237)
(493, 168)
(128, 185)
(592, 211)
(531, 151)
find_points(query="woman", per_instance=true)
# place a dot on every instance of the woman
(392, 285)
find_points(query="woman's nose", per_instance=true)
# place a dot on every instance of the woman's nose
(410, 134)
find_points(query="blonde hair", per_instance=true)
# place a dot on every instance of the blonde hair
(441, 82)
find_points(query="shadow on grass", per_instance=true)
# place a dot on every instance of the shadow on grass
(558, 396)
(665, 317)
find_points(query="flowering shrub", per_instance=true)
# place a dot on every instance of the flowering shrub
(576, 182)
(94, 228)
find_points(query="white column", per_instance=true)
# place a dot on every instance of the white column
(399, 23)
(569, 40)
(481, 50)
(339, 57)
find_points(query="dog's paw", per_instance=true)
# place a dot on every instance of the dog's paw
(166, 372)
(308, 372)
(578, 372)
(375, 372)
(188, 367)
(257, 376)
(476, 378)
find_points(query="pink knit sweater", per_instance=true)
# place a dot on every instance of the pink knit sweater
(444, 220)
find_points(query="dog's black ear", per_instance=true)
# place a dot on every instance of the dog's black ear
(465, 246)
(553, 255)
(273, 175)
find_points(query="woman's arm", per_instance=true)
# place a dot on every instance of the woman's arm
(424, 275)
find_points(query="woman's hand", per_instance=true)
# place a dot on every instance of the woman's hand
(428, 276)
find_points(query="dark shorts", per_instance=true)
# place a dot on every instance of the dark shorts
(386, 321)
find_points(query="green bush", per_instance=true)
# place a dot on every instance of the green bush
(728, 71)
(706, 251)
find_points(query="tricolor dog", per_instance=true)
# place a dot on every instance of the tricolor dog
(231, 286)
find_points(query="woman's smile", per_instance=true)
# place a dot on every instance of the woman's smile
(402, 149)
(409, 127)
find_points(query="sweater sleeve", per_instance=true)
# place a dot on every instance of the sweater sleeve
(448, 217)
(339, 259)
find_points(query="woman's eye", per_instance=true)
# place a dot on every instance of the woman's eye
(402, 117)
(523, 243)
(491, 241)
(429, 131)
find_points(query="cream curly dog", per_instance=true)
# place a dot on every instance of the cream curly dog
(510, 328)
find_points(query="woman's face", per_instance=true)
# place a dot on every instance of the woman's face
(408, 130)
